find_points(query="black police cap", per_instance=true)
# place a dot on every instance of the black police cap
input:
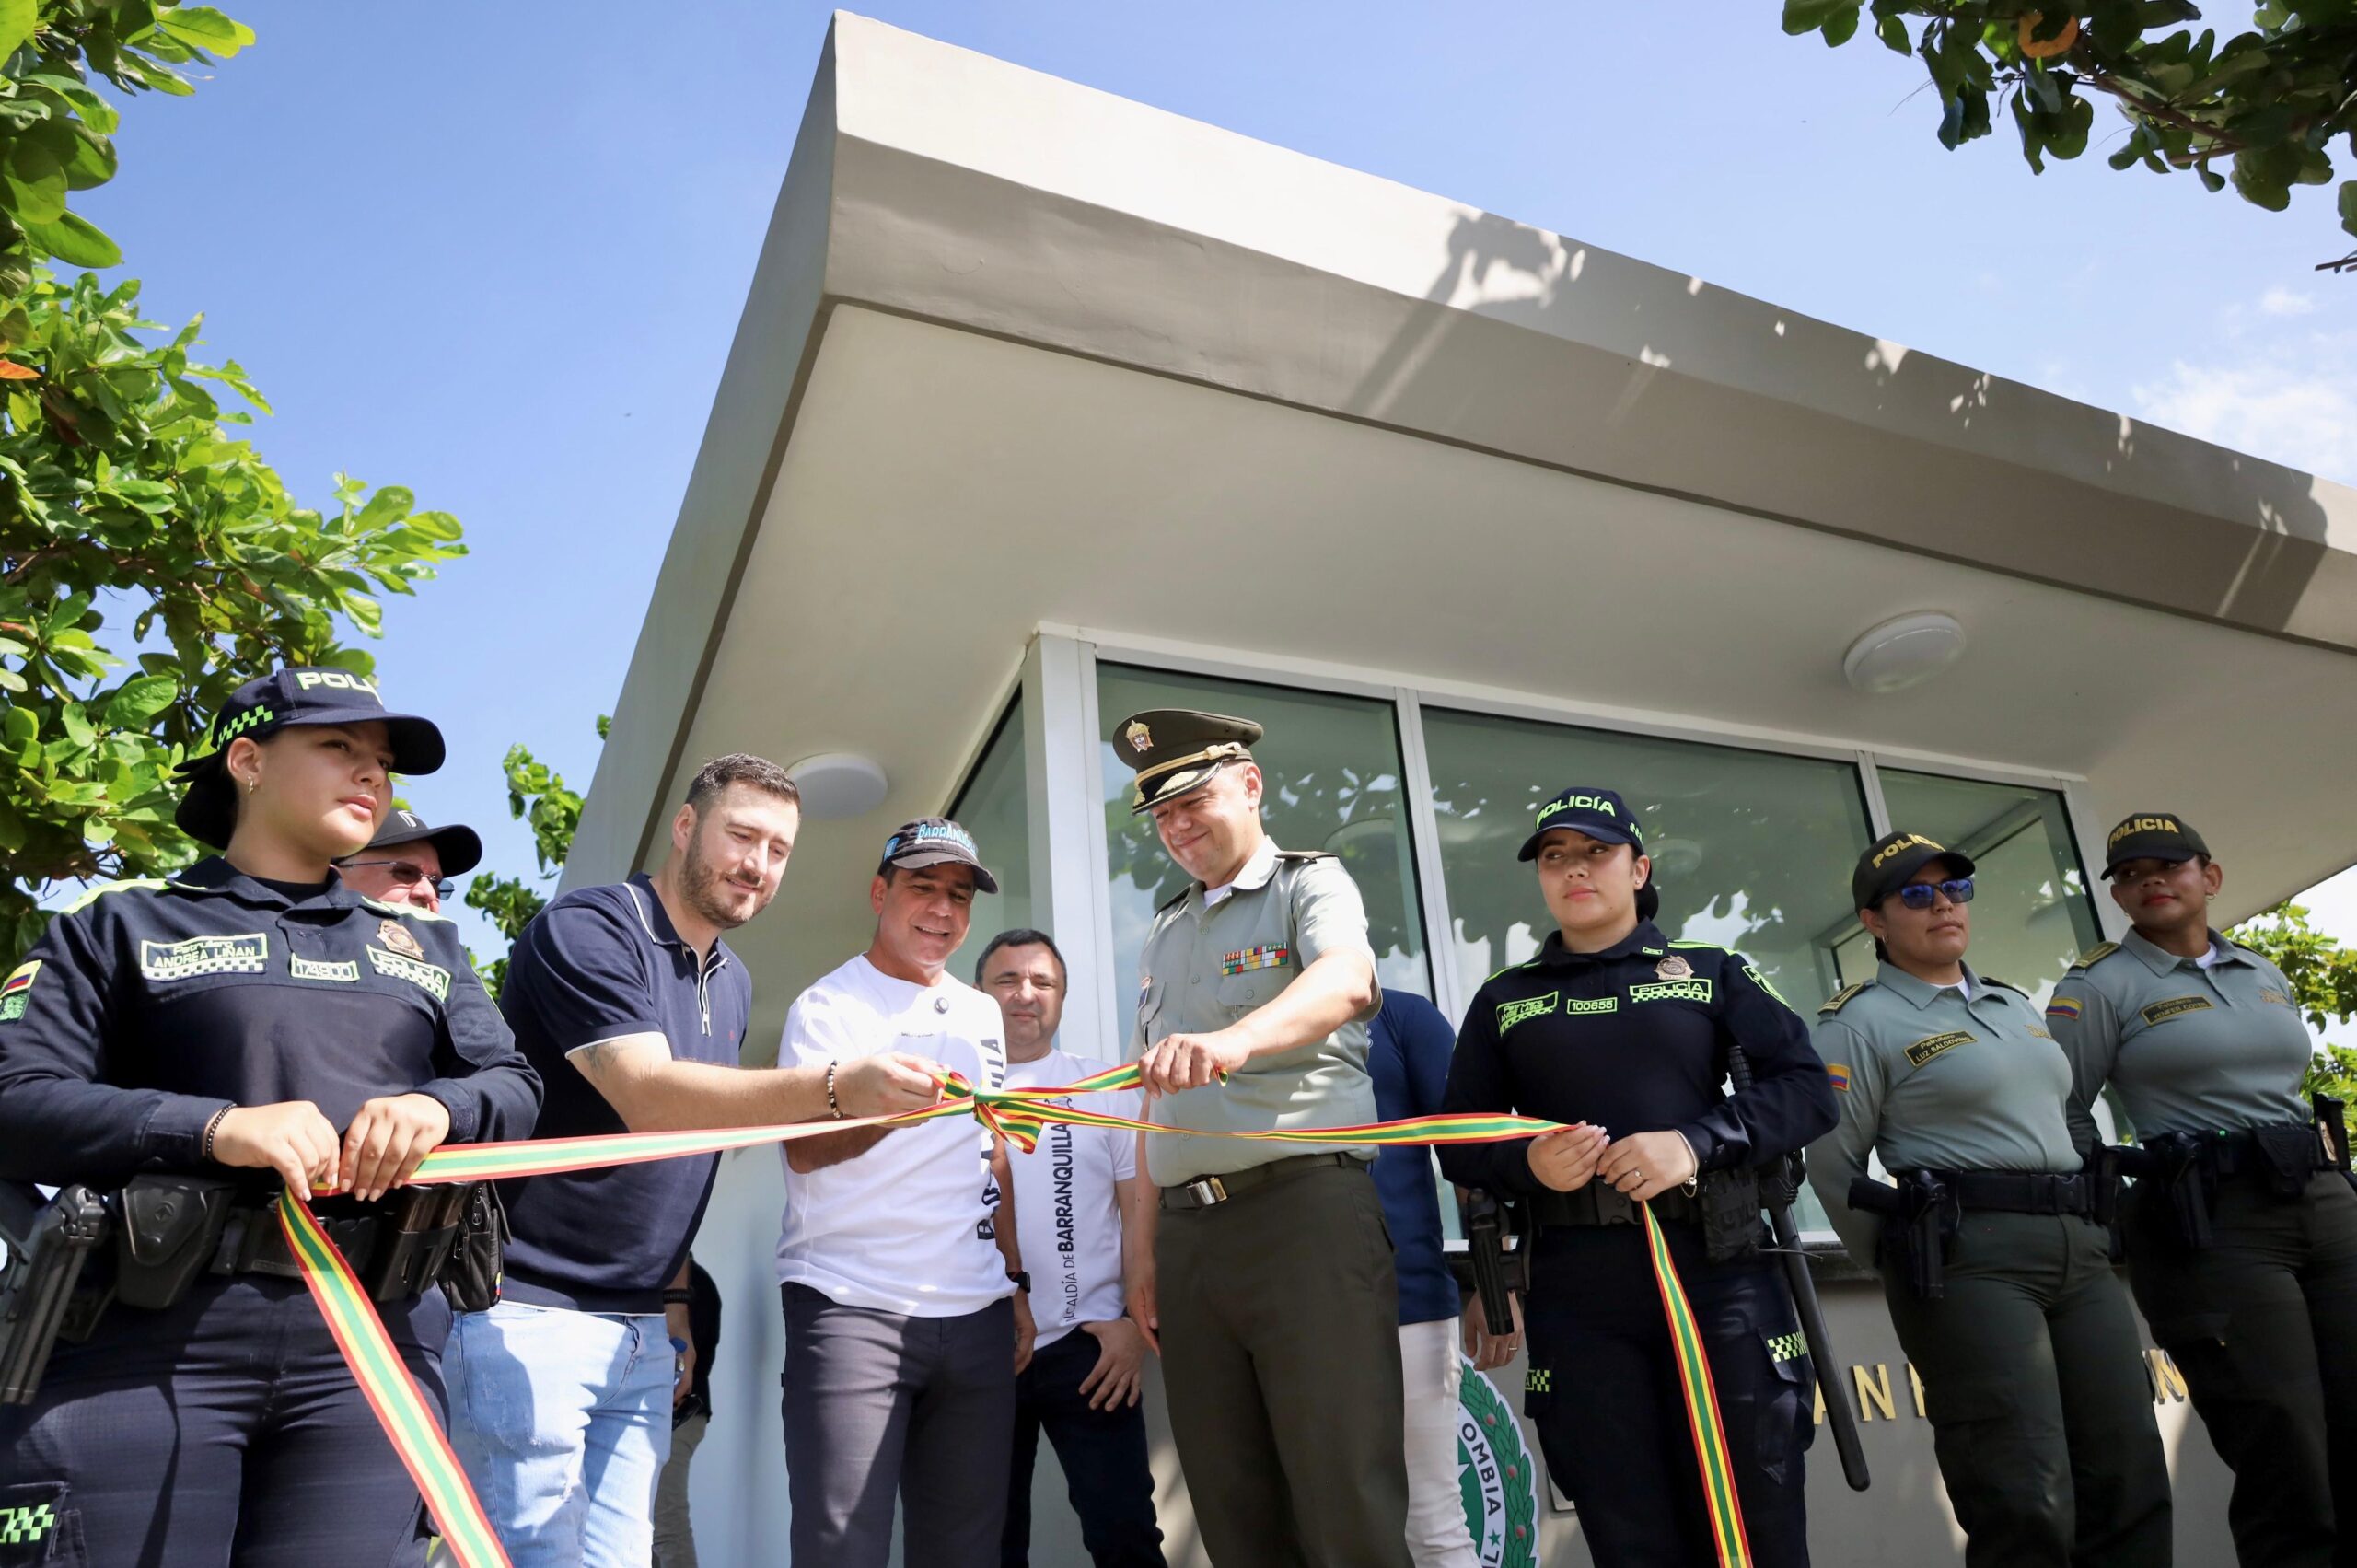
(1601, 814)
(2151, 835)
(1892, 861)
(1175, 749)
(298, 694)
(458, 845)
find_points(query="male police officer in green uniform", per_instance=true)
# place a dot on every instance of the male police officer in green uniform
(1276, 1304)
(1998, 1276)
(2242, 1238)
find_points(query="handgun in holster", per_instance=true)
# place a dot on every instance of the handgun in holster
(1919, 1219)
(1494, 1262)
(2182, 1169)
(1730, 1205)
(46, 1246)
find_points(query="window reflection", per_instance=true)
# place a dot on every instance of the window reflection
(993, 807)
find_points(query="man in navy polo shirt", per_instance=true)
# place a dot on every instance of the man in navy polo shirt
(633, 1011)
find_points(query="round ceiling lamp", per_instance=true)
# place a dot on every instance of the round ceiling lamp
(1903, 652)
(838, 786)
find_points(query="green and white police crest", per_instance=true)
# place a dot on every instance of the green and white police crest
(1496, 1476)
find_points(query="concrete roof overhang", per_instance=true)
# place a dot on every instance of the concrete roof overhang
(1021, 353)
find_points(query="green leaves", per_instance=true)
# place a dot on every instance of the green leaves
(2271, 102)
(555, 812)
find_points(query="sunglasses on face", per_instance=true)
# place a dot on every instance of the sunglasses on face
(408, 874)
(1919, 895)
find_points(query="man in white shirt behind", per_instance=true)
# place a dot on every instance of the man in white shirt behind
(897, 1267)
(1072, 1194)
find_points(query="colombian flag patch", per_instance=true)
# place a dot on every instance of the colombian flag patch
(21, 979)
(1840, 1072)
(2062, 1007)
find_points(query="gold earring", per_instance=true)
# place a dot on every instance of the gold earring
(253, 782)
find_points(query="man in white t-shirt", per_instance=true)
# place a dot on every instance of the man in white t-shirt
(1071, 1195)
(897, 1266)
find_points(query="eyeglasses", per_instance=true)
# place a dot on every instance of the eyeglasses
(1919, 895)
(408, 874)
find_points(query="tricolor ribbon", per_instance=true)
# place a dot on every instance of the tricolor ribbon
(1017, 1115)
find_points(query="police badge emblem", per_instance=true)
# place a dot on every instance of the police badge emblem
(394, 934)
(1141, 738)
(1673, 968)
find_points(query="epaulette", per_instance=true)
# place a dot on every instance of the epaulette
(2006, 985)
(1841, 998)
(1174, 900)
(91, 894)
(1305, 855)
(407, 911)
(1493, 975)
(1714, 946)
(2096, 955)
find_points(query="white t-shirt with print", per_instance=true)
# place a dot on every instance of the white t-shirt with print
(906, 1226)
(1065, 1209)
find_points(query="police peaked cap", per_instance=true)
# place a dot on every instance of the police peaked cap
(458, 846)
(298, 694)
(1175, 749)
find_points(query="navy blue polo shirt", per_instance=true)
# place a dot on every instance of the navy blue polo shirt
(1408, 1048)
(596, 964)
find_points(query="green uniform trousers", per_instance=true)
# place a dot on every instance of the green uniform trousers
(2263, 1324)
(1281, 1367)
(2038, 1396)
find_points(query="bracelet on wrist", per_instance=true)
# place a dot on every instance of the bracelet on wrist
(834, 1106)
(212, 1127)
(672, 1296)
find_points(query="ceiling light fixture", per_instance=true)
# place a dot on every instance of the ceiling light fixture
(1903, 652)
(838, 786)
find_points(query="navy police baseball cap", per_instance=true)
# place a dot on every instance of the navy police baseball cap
(298, 694)
(1599, 813)
(458, 846)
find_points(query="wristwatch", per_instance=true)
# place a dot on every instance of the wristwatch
(1022, 1277)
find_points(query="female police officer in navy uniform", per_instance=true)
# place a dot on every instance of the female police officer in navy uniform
(2242, 1236)
(253, 1017)
(1626, 1035)
(1998, 1274)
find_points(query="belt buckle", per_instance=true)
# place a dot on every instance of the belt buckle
(1206, 1191)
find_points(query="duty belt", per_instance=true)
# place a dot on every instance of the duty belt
(1204, 1191)
(2022, 1192)
(1598, 1203)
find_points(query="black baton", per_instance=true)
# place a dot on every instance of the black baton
(1775, 1195)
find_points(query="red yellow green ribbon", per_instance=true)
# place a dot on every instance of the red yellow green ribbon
(1017, 1115)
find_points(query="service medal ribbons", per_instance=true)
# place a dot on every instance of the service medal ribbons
(1244, 960)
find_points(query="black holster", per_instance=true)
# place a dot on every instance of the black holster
(2183, 1169)
(1920, 1220)
(47, 1245)
(2286, 1157)
(1489, 1265)
(472, 1260)
(1729, 1202)
(2332, 1121)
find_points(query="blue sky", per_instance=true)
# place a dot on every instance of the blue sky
(496, 252)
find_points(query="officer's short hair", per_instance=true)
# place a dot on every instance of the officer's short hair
(1021, 937)
(742, 768)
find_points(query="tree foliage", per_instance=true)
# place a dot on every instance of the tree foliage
(55, 131)
(537, 795)
(2260, 110)
(2324, 983)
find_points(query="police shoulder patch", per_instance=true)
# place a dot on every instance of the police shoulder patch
(1843, 997)
(2096, 955)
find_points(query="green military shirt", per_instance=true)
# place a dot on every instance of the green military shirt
(2190, 1050)
(1931, 1081)
(1206, 965)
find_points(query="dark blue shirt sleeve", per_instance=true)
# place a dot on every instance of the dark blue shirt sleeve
(1478, 1082)
(1789, 1102)
(491, 1093)
(580, 970)
(1426, 1044)
(58, 1122)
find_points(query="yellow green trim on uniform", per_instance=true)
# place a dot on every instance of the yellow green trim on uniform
(92, 894)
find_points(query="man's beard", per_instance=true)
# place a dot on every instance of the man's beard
(710, 894)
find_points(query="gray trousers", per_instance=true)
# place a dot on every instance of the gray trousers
(1281, 1365)
(877, 1405)
(675, 1542)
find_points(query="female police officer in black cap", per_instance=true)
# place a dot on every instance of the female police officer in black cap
(1626, 1036)
(2242, 1236)
(250, 1018)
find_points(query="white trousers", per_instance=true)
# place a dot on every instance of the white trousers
(1428, 1364)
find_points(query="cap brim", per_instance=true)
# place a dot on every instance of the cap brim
(1172, 785)
(417, 742)
(1600, 833)
(459, 846)
(2167, 857)
(208, 808)
(917, 860)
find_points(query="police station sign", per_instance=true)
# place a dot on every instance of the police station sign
(1496, 1475)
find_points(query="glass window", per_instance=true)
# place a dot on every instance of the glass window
(2030, 912)
(994, 806)
(1332, 765)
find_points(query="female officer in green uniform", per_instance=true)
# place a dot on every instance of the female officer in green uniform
(2242, 1240)
(198, 1041)
(1999, 1279)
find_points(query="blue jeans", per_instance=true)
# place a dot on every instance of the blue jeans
(563, 1420)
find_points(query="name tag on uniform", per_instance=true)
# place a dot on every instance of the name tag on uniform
(346, 971)
(204, 954)
(431, 978)
(1924, 1050)
(2175, 1007)
(1671, 991)
(1512, 1012)
(1244, 960)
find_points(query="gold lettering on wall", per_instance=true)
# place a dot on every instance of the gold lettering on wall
(1874, 1393)
(1875, 1397)
(2168, 1383)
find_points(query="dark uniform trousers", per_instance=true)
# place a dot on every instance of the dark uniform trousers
(2041, 1402)
(1281, 1365)
(1603, 1390)
(1107, 1472)
(228, 1416)
(2263, 1324)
